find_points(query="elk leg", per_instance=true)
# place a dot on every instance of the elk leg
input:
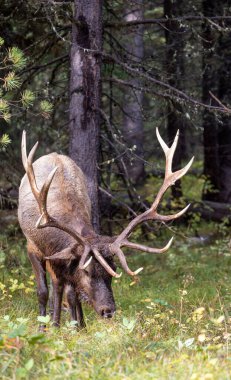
(80, 317)
(58, 295)
(75, 306)
(71, 299)
(39, 269)
(51, 298)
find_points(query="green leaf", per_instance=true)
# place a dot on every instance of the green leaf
(161, 302)
(129, 324)
(100, 334)
(58, 357)
(71, 324)
(21, 372)
(125, 322)
(45, 319)
(29, 364)
(37, 338)
(18, 331)
(22, 320)
(1, 41)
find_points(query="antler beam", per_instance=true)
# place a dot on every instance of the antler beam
(152, 214)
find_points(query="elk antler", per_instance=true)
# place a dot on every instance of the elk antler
(45, 220)
(152, 214)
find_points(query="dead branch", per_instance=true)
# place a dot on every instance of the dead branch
(163, 20)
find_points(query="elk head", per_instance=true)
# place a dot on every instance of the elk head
(99, 249)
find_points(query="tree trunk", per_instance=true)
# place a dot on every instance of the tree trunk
(85, 94)
(224, 95)
(174, 34)
(210, 83)
(132, 129)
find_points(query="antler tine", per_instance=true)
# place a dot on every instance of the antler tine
(23, 149)
(27, 163)
(167, 218)
(82, 263)
(45, 220)
(144, 248)
(86, 263)
(119, 253)
(32, 153)
(104, 264)
(180, 173)
(44, 192)
(169, 152)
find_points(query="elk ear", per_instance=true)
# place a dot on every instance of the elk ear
(65, 254)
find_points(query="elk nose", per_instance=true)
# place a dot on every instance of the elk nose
(107, 313)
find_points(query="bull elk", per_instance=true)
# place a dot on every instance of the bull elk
(55, 216)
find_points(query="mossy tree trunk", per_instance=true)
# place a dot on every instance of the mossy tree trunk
(85, 91)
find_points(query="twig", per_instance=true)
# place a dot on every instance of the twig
(226, 109)
(118, 201)
(38, 67)
(127, 24)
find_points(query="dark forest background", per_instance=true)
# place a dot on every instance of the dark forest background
(93, 79)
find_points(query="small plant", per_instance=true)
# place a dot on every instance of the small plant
(13, 61)
(46, 108)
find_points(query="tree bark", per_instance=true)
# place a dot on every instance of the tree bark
(85, 94)
(224, 95)
(132, 129)
(210, 127)
(174, 34)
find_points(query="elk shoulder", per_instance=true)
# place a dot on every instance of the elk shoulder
(68, 201)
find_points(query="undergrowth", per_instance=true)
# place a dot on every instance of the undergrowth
(171, 323)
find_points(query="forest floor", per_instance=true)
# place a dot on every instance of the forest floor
(174, 323)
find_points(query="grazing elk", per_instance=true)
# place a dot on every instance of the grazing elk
(55, 216)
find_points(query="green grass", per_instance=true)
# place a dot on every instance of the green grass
(174, 323)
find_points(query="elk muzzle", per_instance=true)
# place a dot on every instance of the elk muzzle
(103, 299)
